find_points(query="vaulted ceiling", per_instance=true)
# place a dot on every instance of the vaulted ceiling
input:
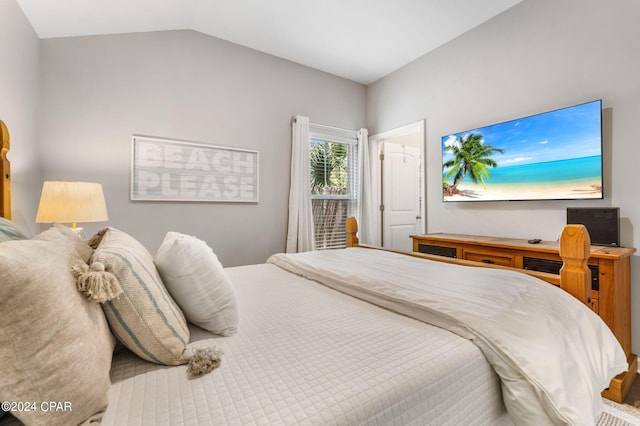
(362, 40)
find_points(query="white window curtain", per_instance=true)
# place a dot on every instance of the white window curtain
(300, 236)
(366, 205)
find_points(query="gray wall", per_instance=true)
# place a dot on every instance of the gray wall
(539, 55)
(19, 52)
(98, 91)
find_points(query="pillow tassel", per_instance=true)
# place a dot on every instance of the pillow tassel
(94, 241)
(204, 361)
(96, 283)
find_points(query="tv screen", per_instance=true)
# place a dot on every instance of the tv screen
(556, 155)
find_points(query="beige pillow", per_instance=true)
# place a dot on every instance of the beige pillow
(54, 344)
(144, 317)
(58, 231)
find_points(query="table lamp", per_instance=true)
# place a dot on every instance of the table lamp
(71, 202)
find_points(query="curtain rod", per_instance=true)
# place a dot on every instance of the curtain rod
(325, 127)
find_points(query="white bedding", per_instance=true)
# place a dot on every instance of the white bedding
(553, 354)
(307, 354)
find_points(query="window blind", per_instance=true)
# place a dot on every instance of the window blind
(334, 181)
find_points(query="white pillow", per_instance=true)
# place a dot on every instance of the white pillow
(196, 280)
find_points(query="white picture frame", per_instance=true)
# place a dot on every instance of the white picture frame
(175, 170)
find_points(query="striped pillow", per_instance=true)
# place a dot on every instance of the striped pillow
(144, 317)
(9, 231)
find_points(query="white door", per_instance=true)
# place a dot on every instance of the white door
(400, 195)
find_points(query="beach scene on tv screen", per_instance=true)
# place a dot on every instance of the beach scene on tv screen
(555, 155)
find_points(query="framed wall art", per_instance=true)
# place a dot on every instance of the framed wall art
(174, 170)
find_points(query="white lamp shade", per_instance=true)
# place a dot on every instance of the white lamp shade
(71, 202)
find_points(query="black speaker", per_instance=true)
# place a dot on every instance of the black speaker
(603, 223)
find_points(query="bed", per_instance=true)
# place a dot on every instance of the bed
(344, 337)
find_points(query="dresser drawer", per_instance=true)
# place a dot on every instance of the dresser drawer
(503, 259)
(437, 250)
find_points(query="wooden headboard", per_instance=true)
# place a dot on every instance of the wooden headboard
(5, 173)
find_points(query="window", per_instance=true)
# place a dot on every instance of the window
(333, 156)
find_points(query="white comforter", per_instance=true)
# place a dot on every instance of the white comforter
(553, 354)
(305, 355)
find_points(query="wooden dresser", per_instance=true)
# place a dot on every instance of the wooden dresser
(610, 269)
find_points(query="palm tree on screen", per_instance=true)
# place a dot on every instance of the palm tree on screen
(472, 157)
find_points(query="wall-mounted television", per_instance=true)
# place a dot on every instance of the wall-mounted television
(555, 155)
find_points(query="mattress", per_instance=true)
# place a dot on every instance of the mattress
(308, 354)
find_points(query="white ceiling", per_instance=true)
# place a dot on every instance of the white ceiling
(362, 40)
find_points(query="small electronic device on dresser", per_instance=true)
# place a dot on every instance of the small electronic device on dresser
(603, 223)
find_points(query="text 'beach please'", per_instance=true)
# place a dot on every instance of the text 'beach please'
(184, 171)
